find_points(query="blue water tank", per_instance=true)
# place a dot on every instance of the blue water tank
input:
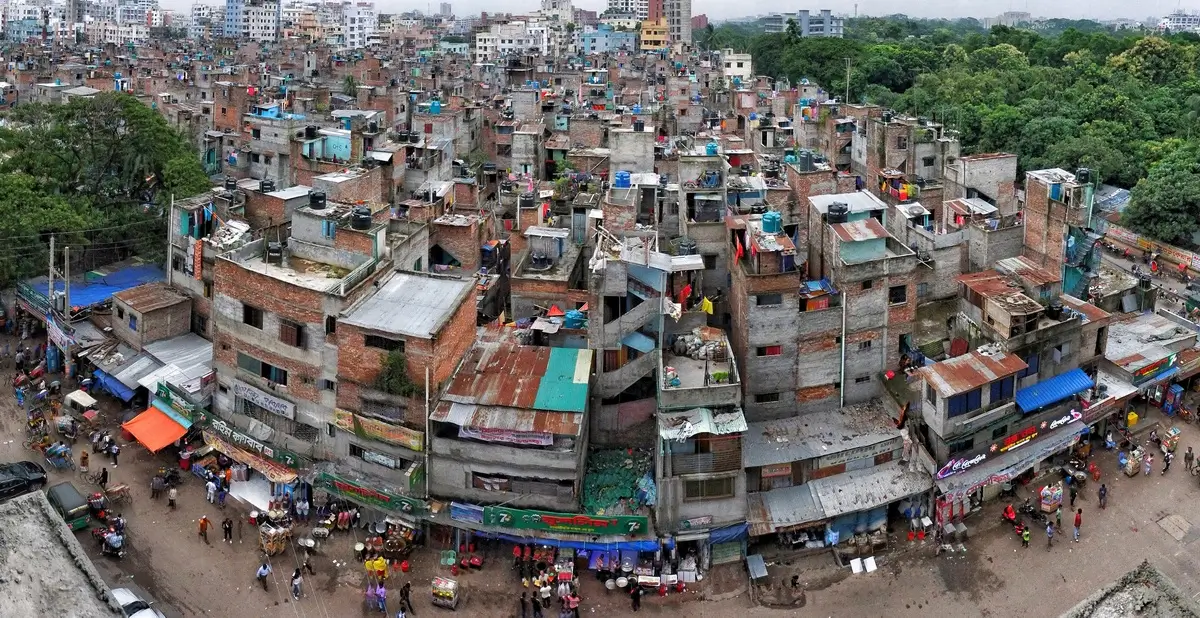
(772, 222)
(622, 180)
(637, 109)
(710, 149)
(789, 159)
(435, 107)
(574, 319)
(753, 115)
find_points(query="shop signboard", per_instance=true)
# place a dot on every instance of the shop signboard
(1153, 369)
(387, 433)
(274, 405)
(60, 338)
(357, 492)
(774, 470)
(696, 522)
(1015, 440)
(469, 513)
(240, 440)
(380, 459)
(274, 472)
(181, 406)
(519, 519)
(961, 464)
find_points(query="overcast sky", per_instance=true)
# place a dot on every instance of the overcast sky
(722, 9)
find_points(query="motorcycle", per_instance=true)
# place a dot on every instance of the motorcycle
(1029, 510)
(113, 545)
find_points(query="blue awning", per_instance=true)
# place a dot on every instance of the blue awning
(113, 385)
(639, 342)
(1054, 390)
(736, 532)
(165, 408)
(630, 545)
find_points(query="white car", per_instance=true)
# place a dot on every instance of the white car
(134, 607)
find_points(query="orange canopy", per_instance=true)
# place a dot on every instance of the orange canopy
(555, 312)
(154, 429)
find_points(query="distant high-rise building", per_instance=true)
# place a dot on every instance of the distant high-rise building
(826, 24)
(640, 9)
(655, 10)
(679, 21)
(447, 10)
(1008, 18)
(699, 22)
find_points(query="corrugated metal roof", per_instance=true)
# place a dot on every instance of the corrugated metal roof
(683, 425)
(859, 201)
(1024, 268)
(509, 419)
(863, 229)
(134, 370)
(970, 371)
(816, 435)
(190, 353)
(502, 373)
(1053, 390)
(862, 490)
(410, 304)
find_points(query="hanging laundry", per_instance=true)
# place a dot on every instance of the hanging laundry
(706, 306)
(685, 293)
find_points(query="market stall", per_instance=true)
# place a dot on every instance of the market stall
(446, 592)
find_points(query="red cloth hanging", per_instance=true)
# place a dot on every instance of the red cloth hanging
(684, 293)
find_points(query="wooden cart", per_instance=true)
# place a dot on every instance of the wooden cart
(447, 593)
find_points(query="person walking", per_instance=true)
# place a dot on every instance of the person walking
(537, 609)
(114, 450)
(103, 478)
(83, 461)
(261, 575)
(406, 598)
(302, 509)
(172, 494)
(1147, 463)
(1103, 496)
(227, 528)
(1074, 493)
(381, 597)
(204, 523)
(524, 604)
(1189, 459)
(297, 579)
(156, 486)
(1049, 536)
(210, 491)
(545, 591)
(1025, 537)
(1058, 518)
(1078, 523)
(636, 596)
(1167, 459)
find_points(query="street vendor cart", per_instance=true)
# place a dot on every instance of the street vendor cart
(1132, 463)
(446, 592)
(1170, 441)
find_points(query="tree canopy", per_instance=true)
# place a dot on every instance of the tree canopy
(1125, 103)
(97, 174)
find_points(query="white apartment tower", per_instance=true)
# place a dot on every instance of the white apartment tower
(637, 8)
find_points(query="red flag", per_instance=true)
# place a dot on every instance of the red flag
(737, 254)
(753, 251)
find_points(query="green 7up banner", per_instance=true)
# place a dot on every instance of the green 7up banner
(617, 525)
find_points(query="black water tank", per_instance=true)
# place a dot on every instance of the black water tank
(1055, 310)
(310, 132)
(373, 127)
(266, 186)
(360, 218)
(527, 200)
(686, 246)
(414, 137)
(838, 212)
(746, 169)
(316, 200)
(275, 253)
(1083, 176)
(639, 125)
(1144, 281)
(230, 183)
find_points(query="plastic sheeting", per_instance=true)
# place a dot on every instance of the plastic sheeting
(850, 524)
(647, 545)
(112, 385)
(94, 291)
(736, 532)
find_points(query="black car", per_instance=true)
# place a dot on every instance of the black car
(20, 478)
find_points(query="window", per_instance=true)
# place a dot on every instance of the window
(961, 446)
(291, 334)
(862, 380)
(1002, 389)
(771, 350)
(864, 345)
(133, 322)
(740, 65)
(901, 143)
(999, 432)
(327, 385)
(383, 343)
(1061, 350)
(765, 300)
(1034, 364)
(729, 65)
(176, 263)
(328, 229)
(930, 394)
(922, 290)
(708, 488)
(330, 324)
(199, 324)
(252, 315)
(256, 133)
(208, 289)
(120, 312)
(710, 261)
(766, 398)
(964, 403)
(261, 369)
(898, 294)
(866, 285)
(928, 161)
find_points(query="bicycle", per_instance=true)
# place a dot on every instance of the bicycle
(93, 478)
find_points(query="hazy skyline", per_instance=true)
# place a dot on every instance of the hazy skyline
(718, 10)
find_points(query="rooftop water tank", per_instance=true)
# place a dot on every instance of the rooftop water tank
(266, 186)
(639, 125)
(637, 109)
(316, 200)
(360, 218)
(772, 222)
(806, 161)
(435, 107)
(526, 200)
(622, 180)
(230, 183)
(710, 149)
(685, 246)
(838, 212)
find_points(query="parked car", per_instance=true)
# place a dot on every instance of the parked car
(134, 606)
(20, 478)
(70, 504)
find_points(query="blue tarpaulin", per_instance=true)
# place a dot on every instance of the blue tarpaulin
(113, 385)
(728, 534)
(95, 291)
(1054, 390)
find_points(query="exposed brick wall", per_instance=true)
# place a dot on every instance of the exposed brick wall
(263, 211)
(361, 242)
(365, 188)
(461, 241)
(301, 376)
(528, 292)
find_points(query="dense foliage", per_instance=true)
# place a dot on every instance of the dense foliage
(95, 173)
(1074, 94)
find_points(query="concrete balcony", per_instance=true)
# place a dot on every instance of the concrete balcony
(534, 459)
(618, 328)
(702, 382)
(612, 383)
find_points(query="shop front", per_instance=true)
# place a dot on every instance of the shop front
(967, 480)
(381, 508)
(262, 475)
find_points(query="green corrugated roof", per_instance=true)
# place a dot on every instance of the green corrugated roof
(564, 386)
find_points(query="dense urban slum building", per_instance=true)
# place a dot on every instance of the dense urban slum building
(589, 286)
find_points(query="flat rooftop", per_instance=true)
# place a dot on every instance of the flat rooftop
(560, 270)
(297, 271)
(44, 567)
(859, 201)
(817, 434)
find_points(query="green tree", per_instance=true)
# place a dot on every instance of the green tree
(1155, 60)
(1165, 205)
(793, 29)
(350, 86)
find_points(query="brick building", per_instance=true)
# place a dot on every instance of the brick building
(149, 313)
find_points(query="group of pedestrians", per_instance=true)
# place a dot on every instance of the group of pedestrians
(568, 599)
